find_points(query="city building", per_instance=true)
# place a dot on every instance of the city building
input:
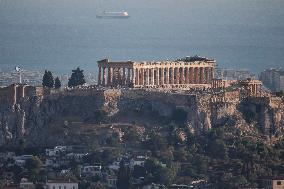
(90, 170)
(272, 182)
(21, 160)
(111, 181)
(61, 184)
(273, 79)
(232, 74)
(137, 161)
(184, 73)
(25, 184)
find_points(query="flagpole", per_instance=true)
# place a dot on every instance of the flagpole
(19, 70)
(20, 77)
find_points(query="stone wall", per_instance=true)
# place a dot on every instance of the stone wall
(13, 94)
(7, 96)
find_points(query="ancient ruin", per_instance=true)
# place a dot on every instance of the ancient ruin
(252, 87)
(133, 92)
(182, 74)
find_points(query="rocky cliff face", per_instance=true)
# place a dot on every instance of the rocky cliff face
(265, 113)
(44, 120)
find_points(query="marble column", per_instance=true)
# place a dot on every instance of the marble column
(136, 76)
(162, 76)
(100, 76)
(201, 75)
(109, 78)
(172, 75)
(186, 76)
(255, 89)
(142, 76)
(133, 78)
(147, 76)
(104, 76)
(152, 76)
(128, 76)
(211, 74)
(191, 75)
(123, 76)
(175, 76)
(158, 76)
(206, 76)
(167, 76)
(196, 76)
(119, 76)
(182, 75)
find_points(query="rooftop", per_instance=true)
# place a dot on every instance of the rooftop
(61, 181)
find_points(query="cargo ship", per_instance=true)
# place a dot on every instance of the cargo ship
(106, 14)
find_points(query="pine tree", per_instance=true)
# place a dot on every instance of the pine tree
(47, 80)
(57, 83)
(77, 78)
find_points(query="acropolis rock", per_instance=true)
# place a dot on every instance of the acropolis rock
(39, 117)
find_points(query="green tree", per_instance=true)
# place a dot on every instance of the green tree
(190, 170)
(156, 142)
(57, 83)
(123, 176)
(75, 168)
(97, 185)
(237, 181)
(131, 135)
(21, 146)
(201, 164)
(33, 166)
(48, 80)
(77, 78)
(180, 154)
(2, 182)
(33, 163)
(138, 171)
(151, 165)
(216, 133)
(39, 186)
(218, 149)
(280, 94)
(179, 116)
(17, 170)
(167, 175)
(113, 140)
(109, 155)
(94, 157)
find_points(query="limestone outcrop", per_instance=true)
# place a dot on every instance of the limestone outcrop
(42, 120)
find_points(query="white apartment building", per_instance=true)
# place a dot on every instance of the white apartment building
(61, 185)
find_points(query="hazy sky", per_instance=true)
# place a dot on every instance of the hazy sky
(62, 34)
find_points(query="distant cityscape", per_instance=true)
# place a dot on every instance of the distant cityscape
(272, 79)
(34, 78)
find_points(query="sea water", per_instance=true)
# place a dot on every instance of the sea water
(62, 34)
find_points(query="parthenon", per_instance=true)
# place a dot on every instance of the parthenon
(183, 73)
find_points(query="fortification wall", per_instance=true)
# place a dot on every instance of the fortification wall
(7, 96)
